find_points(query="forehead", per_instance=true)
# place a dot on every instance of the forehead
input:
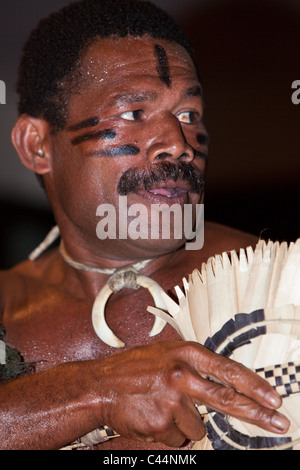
(115, 53)
(118, 62)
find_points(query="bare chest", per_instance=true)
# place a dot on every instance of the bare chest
(52, 328)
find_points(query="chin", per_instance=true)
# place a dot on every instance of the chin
(153, 248)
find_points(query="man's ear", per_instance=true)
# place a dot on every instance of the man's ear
(29, 137)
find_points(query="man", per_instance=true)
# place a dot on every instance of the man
(111, 105)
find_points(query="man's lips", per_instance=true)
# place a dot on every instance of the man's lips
(168, 189)
(168, 192)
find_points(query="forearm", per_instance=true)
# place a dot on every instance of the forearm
(146, 393)
(49, 409)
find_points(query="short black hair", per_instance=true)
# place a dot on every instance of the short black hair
(53, 49)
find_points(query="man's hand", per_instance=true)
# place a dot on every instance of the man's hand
(146, 393)
(151, 391)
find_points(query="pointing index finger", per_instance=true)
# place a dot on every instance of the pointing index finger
(233, 374)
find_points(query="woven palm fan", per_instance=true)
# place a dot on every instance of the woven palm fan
(246, 307)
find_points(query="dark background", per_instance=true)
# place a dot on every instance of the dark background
(249, 55)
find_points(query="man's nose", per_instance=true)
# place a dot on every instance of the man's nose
(170, 143)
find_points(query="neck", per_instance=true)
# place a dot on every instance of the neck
(93, 272)
(116, 254)
(82, 270)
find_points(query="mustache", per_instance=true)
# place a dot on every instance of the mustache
(134, 179)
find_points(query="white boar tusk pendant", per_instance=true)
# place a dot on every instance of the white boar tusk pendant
(124, 278)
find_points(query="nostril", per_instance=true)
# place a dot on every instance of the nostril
(163, 155)
(184, 156)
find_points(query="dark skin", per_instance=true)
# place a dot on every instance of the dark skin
(146, 392)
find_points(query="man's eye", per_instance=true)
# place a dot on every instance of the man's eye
(188, 117)
(132, 115)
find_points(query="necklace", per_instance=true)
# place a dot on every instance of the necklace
(83, 267)
(120, 278)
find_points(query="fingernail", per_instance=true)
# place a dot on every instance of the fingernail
(273, 399)
(280, 422)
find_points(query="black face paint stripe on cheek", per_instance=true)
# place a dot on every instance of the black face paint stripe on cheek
(103, 134)
(90, 122)
(163, 69)
(202, 139)
(116, 151)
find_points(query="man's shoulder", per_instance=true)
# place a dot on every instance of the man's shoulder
(12, 282)
(227, 238)
(15, 280)
(220, 238)
(217, 240)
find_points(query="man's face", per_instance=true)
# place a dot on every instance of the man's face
(134, 127)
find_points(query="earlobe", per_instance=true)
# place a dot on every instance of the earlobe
(29, 137)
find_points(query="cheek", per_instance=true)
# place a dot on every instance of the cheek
(196, 140)
(190, 136)
(132, 136)
(119, 143)
(79, 182)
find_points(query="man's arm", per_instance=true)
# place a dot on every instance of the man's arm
(49, 409)
(146, 393)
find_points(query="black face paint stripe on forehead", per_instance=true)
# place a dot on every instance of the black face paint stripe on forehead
(103, 134)
(123, 150)
(163, 69)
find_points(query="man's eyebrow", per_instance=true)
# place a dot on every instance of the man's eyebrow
(136, 97)
(193, 91)
(90, 122)
(129, 98)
